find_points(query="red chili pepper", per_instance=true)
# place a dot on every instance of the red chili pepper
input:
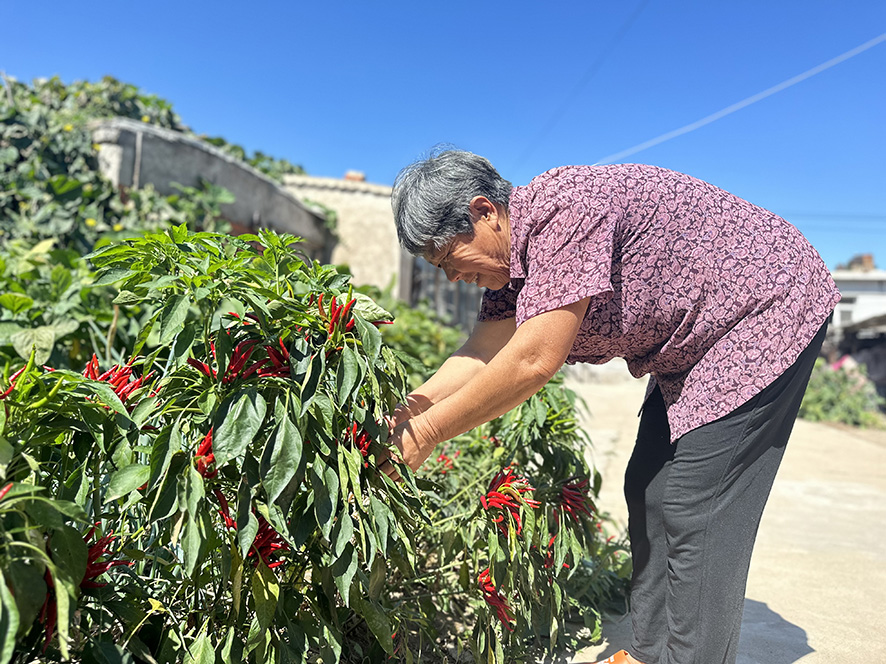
(276, 357)
(346, 310)
(5, 490)
(202, 367)
(320, 306)
(252, 369)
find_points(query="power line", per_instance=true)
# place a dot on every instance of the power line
(857, 218)
(744, 102)
(582, 82)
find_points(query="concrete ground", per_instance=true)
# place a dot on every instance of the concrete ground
(817, 586)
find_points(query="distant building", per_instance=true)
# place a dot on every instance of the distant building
(863, 287)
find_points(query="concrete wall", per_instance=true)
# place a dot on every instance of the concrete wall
(864, 297)
(367, 236)
(134, 153)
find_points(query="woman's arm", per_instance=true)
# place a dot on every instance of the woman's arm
(534, 353)
(485, 341)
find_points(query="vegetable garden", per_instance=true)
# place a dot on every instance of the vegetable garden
(190, 425)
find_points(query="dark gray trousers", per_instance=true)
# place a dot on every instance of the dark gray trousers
(694, 508)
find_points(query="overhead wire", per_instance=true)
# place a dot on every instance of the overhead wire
(744, 102)
(585, 78)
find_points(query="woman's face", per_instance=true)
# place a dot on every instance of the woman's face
(483, 259)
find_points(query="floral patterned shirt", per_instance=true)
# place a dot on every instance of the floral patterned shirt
(711, 295)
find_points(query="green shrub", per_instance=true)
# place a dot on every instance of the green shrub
(841, 395)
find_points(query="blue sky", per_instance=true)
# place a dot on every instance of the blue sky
(530, 85)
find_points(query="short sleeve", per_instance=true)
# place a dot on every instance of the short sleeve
(568, 255)
(499, 304)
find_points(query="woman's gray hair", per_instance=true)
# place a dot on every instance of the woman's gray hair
(431, 198)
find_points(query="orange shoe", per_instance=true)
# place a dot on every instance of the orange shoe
(621, 657)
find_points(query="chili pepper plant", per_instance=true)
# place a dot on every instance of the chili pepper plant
(213, 496)
(518, 563)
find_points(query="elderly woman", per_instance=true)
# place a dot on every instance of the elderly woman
(722, 303)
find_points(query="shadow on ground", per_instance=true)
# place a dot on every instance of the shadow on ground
(766, 638)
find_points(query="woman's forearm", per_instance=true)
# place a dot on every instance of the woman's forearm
(520, 369)
(486, 340)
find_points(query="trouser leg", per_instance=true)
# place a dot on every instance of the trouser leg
(712, 491)
(645, 480)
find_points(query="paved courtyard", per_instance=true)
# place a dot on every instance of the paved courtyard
(817, 587)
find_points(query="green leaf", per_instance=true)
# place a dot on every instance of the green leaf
(266, 592)
(114, 275)
(40, 338)
(173, 317)
(369, 308)
(195, 534)
(107, 395)
(346, 377)
(9, 621)
(377, 577)
(127, 480)
(7, 329)
(16, 302)
(201, 650)
(126, 297)
(324, 482)
(371, 338)
(105, 652)
(344, 533)
(377, 621)
(8, 156)
(237, 425)
(62, 184)
(343, 571)
(69, 552)
(247, 524)
(382, 517)
(281, 457)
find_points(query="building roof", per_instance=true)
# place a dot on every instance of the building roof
(336, 184)
(857, 275)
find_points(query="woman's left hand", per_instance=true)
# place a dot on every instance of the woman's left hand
(406, 440)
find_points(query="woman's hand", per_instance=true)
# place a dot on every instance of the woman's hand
(410, 450)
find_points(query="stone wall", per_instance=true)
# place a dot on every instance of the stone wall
(367, 236)
(133, 154)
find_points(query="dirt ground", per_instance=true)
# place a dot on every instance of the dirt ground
(817, 587)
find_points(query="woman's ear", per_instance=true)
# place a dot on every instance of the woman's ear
(480, 207)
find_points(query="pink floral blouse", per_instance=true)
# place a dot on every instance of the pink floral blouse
(713, 296)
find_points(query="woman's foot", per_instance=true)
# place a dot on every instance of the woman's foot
(621, 657)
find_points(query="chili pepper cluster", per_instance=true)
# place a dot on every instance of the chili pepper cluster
(574, 499)
(505, 493)
(447, 461)
(361, 441)
(495, 599)
(239, 367)
(118, 377)
(49, 612)
(339, 315)
(268, 543)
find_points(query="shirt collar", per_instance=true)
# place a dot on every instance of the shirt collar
(517, 206)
